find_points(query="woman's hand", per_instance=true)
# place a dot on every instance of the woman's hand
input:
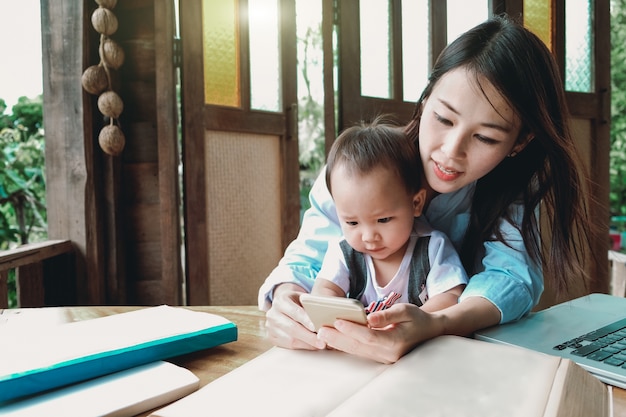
(391, 333)
(395, 331)
(287, 323)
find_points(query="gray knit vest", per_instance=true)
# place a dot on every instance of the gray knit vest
(420, 266)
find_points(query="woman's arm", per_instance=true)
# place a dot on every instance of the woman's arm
(509, 278)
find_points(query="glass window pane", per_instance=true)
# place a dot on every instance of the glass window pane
(578, 47)
(220, 32)
(464, 15)
(415, 47)
(265, 69)
(375, 48)
(538, 19)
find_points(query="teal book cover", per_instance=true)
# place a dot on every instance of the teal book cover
(74, 352)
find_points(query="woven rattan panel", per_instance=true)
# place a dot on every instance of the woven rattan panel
(243, 214)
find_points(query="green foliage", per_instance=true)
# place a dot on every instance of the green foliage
(617, 196)
(28, 113)
(22, 185)
(5, 120)
(310, 111)
(310, 107)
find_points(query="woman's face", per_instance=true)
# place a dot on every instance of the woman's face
(464, 131)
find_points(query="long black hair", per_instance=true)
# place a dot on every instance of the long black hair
(547, 170)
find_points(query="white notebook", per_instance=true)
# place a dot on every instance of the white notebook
(54, 356)
(124, 393)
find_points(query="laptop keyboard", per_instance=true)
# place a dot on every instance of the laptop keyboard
(606, 344)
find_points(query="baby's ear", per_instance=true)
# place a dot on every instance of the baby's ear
(419, 198)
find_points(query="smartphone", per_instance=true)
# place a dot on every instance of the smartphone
(323, 310)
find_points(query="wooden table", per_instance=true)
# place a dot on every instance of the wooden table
(209, 364)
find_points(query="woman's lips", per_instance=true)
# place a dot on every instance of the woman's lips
(445, 174)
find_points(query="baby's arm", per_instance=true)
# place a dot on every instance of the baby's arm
(442, 300)
(325, 287)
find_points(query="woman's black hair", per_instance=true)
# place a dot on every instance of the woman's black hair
(547, 170)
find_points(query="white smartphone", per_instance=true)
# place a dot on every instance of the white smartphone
(323, 310)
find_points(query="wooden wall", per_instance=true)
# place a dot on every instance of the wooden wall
(121, 213)
(149, 166)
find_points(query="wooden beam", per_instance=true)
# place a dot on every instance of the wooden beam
(168, 159)
(4, 290)
(29, 284)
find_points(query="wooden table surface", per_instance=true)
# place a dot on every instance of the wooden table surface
(208, 364)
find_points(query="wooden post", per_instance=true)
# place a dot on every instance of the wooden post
(73, 191)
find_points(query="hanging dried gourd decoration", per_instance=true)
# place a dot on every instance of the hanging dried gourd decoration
(96, 79)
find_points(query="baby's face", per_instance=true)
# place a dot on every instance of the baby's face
(375, 211)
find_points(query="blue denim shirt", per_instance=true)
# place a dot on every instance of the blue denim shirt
(508, 277)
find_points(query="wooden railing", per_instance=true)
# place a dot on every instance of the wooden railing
(44, 273)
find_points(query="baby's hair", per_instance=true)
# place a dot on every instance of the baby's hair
(366, 146)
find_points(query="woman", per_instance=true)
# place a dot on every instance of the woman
(492, 131)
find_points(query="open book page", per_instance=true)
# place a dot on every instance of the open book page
(281, 382)
(124, 393)
(453, 376)
(446, 376)
(81, 350)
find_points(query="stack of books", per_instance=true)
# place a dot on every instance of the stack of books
(106, 366)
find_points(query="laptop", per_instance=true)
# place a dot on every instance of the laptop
(590, 331)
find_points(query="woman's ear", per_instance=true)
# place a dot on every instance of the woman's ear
(521, 145)
(419, 198)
